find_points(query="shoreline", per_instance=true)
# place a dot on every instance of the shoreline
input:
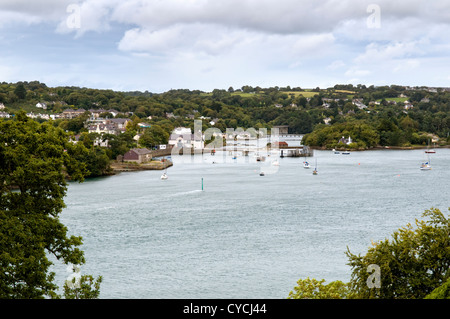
(379, 148)
(133, 167)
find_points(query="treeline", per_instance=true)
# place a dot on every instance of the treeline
(380, 123)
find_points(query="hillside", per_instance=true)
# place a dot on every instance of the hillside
(373, 116)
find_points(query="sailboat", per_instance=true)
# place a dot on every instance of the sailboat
(164, 175)
(305, 163)
(315, 172)
(426, 165)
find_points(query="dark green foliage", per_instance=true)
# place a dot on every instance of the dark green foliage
(412, 264)
(384, 124)
(35, 160)
(415, 264)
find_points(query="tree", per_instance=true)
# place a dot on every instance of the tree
(35, 160)
(20, 91)
(153, 136)
(442, 292)
(85, 288)
(412, 265)
(315, 289)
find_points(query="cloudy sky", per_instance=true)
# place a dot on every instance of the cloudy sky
(158, 45)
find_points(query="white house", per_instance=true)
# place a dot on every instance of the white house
(183, 137)
(41, 105)
(344, 140)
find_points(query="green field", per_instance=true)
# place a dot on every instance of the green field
(307, 94)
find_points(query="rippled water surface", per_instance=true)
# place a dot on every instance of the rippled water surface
(246, 235)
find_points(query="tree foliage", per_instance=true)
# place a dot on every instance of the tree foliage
(35, 160)
(412, 264)
(316, 289)
(415, 264)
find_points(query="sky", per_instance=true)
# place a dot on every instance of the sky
(158, 45)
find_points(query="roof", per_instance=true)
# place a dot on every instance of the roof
(140, 151)
(175, 136)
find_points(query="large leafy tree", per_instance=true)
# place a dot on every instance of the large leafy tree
(412, 264)
(35, 160)
(153, 136)
(415, 264)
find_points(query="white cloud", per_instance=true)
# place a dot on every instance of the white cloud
(337, 64)
(233, 40)
(407, 65)
(376, 52)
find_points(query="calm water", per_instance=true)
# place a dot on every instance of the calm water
(246, 235)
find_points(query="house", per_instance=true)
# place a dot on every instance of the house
(103, 128)
(4, 115)
(100, 142)
(408, 105)
(70, 113)
(183, 137)
(121, 123)
(96, 113)
(344, 140)
(41, 105)
(138, 155)
(214, 121)
(74, 139)
(186, 141)
(359, 104)
(137, 137)
(280, 144)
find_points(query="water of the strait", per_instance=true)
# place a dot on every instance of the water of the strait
(246, 235)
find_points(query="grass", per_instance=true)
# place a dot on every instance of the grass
(307, 94)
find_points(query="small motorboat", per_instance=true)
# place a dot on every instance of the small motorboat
(164, 176)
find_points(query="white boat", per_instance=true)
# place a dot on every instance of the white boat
(305, 164)
(275, 163)
(336, 152)
(426, 165)
(164, 176)
(429, 151)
